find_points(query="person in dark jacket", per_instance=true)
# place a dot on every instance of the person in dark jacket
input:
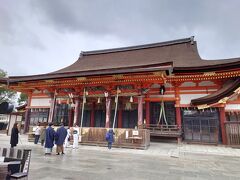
(50, 133)
(14, 135)
(110, 138)
(60, 138)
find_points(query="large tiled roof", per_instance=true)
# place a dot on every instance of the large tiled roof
(179, 55)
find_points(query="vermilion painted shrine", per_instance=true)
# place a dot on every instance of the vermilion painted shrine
(163, 87)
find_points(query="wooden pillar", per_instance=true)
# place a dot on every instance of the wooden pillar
(92, 122)
(76, 119)
(120, 115)
(27, 114)
(178, 117)
(178, 110)
(140, 111)
(108, 111)
(70, 119)
(52, 107)
(177, 106)
(222, 124)
(147, 103)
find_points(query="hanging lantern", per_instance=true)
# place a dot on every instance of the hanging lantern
(99, 100)
(131, 99)
(106, 94)
(128, 106)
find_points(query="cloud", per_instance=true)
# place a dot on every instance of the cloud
(51, 34)
(17, 24)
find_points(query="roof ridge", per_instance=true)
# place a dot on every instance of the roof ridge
(144, 46)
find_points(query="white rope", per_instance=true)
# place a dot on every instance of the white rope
(115, 114)
(162, 112)
(84, 100)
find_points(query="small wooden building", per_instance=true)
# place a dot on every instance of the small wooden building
(164, 87)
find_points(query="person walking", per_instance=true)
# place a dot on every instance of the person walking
(37, 134)
(75, 136)
(14, 135)
(50, 133)
(110, 138)
(43, 135)
(60, 138)
(68, 138)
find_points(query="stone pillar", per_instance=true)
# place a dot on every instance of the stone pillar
(222, 124)
(92, 122)
(27, 114)
(76, 119)
(140, 111)
(108, 111)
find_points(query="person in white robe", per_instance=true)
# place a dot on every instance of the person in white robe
(75, 137)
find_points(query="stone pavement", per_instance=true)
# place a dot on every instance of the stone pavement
(161, 161)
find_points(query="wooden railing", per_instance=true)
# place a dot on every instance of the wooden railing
(233, 133)
(164, 130)
(128, 138)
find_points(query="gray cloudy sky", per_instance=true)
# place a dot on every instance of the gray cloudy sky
(40, 36)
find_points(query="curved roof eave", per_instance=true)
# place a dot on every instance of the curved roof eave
(134, 69)
(223, 66)
(215, 97)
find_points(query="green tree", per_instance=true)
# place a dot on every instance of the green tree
(22, 99)
(5, 94)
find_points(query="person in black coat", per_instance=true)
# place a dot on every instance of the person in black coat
(14, 135)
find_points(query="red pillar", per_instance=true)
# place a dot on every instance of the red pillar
(52, 107)
(120, 116)
(108, 111)
(140, 111)
(178, 117)
(222, 121)
(147, 113)
(76, 112)
(178, 110)
(177, 106)
(92, 115)
(70, 119)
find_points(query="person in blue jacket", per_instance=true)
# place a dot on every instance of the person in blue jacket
(60, 138)
(110, 138)
(49, 141)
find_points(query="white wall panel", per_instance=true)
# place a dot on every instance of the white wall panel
(41, 102)
(232, 107)
(186, 98)
(165, 96)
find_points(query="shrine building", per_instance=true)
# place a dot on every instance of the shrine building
(165, 87)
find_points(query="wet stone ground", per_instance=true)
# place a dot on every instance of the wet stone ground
(91, 162)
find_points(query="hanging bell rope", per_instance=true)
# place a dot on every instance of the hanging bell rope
(84, 101)
(162, 108)
(116, 107)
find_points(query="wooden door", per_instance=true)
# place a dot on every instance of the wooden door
(201, 126)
